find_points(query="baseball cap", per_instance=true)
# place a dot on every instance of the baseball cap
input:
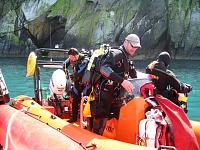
(134, 40)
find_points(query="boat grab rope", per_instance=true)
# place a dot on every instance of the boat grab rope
(91, 146)
(26, 110)
(10, 125)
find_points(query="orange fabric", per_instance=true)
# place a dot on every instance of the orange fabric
(134, 110)
(87, 138)
(196, 128)
(27, 133)
(110, 128)
(78, 134)
(50, 109)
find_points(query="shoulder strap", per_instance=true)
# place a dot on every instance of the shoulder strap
(126, 63)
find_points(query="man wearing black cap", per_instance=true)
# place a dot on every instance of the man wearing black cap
(115, 69)
(78, 63)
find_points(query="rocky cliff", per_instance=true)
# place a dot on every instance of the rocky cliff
(171, 25)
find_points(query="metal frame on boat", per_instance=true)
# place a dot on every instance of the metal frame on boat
(46, 58)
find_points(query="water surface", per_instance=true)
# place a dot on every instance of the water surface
(14, 71)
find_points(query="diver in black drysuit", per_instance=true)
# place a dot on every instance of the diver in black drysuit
(165, 80)
(78, 87)
(113, 70)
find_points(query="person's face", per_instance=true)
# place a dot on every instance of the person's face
(73, 58)
(130, 48)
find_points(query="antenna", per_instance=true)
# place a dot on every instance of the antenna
(50, 36)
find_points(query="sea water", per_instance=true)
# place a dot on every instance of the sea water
(14, 71)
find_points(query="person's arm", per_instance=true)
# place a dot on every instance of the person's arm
(171, 73)
(80, 69)
(107, 71)
(82, 66)
(106, 68)
(171, 80)
(159, 69)
(66, 64)
(177, 84)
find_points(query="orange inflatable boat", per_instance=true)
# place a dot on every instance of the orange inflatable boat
(34, 124)
(21, 131)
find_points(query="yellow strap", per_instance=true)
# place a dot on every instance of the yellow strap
(96, 53)
(182, 97)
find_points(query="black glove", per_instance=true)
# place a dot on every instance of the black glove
(185, 88)
(189, 87)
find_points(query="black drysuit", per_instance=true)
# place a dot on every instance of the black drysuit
(113, 69)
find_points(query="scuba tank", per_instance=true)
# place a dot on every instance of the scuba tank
(4, 94)
(92, 62)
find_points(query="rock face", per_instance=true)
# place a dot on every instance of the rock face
(171, 25)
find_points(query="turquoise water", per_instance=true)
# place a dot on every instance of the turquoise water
(14, 71)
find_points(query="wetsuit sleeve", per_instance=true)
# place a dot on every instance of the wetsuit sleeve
(170, 73)
(166, 76)
(82, 66)
(178, 85)
(106, 69)
(172, 81)
(66, 65)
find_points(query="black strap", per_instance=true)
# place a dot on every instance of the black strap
(126, 63)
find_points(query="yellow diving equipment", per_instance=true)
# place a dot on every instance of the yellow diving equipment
(31, 64)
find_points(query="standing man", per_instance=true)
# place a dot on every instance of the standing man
(78, 63)
(115, 69)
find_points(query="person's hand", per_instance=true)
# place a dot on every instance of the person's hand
(85, 98)
(128, 86)
(186, 88)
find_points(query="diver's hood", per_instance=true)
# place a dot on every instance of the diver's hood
(164, 57)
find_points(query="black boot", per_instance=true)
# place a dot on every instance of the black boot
(75, 109)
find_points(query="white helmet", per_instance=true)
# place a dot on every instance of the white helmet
(58, 82)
